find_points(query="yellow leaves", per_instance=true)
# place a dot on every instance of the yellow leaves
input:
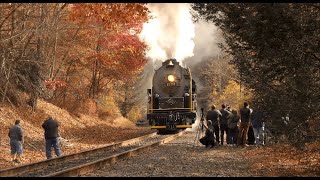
(231, 95)
(232, 87)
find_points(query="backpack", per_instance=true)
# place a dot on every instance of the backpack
(232, 122)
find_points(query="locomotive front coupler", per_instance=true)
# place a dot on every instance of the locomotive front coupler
(170, 122)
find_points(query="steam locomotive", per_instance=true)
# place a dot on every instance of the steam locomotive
(172, 99)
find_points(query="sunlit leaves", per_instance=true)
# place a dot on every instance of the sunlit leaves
(111, 48)
(112, 16)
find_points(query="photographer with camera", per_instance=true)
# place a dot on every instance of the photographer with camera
(208, 139)
(209, 136)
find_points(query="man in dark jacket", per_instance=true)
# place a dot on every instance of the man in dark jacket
(245, 114)
(16, 141)
(224, 123)
(214, 115)
(51, 135)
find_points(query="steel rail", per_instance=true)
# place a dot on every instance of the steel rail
(89, 167)
(42, 164)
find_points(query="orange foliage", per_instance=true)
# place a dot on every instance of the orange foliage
(108, 45)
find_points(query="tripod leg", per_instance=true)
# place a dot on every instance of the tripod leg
(198, 133)
(196, 137)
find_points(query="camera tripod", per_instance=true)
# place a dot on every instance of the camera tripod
(200, 129)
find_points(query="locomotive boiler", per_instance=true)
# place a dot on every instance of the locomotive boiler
(172, 98)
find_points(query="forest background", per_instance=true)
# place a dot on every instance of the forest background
(88, 59)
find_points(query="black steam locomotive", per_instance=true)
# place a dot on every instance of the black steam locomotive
(172, 99)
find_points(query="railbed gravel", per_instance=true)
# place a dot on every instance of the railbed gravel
(90, 158)
(181, 157)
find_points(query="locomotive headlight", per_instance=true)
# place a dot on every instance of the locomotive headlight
(171, 78)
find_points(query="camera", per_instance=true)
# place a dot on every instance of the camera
(202, 115)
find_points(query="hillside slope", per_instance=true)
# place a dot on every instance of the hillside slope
(76, 132)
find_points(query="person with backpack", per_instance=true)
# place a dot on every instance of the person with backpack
(233, 121)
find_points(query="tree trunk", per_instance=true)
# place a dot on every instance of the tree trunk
(34, 88)
(7, 76)
(95, 72)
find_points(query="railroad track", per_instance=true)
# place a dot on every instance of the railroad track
(89, 160)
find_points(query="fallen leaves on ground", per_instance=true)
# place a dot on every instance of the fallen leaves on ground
(285, 160)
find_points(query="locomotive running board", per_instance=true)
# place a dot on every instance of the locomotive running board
(177, 126)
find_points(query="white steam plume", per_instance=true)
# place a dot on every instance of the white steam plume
(170, 33)
(207, 37)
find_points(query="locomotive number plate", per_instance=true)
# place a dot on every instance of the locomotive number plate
(171, 84)
(171, 126)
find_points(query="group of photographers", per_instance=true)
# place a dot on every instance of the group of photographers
(236, 127)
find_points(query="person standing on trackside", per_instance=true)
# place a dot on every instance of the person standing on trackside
(16, 141)
(257, 120)
(51, 135)
(245, 114)
(224, 124)
(233, 127)
(214, 115)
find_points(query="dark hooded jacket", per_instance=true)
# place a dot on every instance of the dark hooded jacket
(50, 128)
(214, 115)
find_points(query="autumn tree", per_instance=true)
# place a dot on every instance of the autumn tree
(26, 47)
(114, 51)
(57, 52)
(275, 49)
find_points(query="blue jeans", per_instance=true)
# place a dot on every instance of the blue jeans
(233, 133)
(224, 128)
(55, 143)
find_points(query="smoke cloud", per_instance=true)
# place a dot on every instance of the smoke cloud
(207, 37)
(170, 33)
